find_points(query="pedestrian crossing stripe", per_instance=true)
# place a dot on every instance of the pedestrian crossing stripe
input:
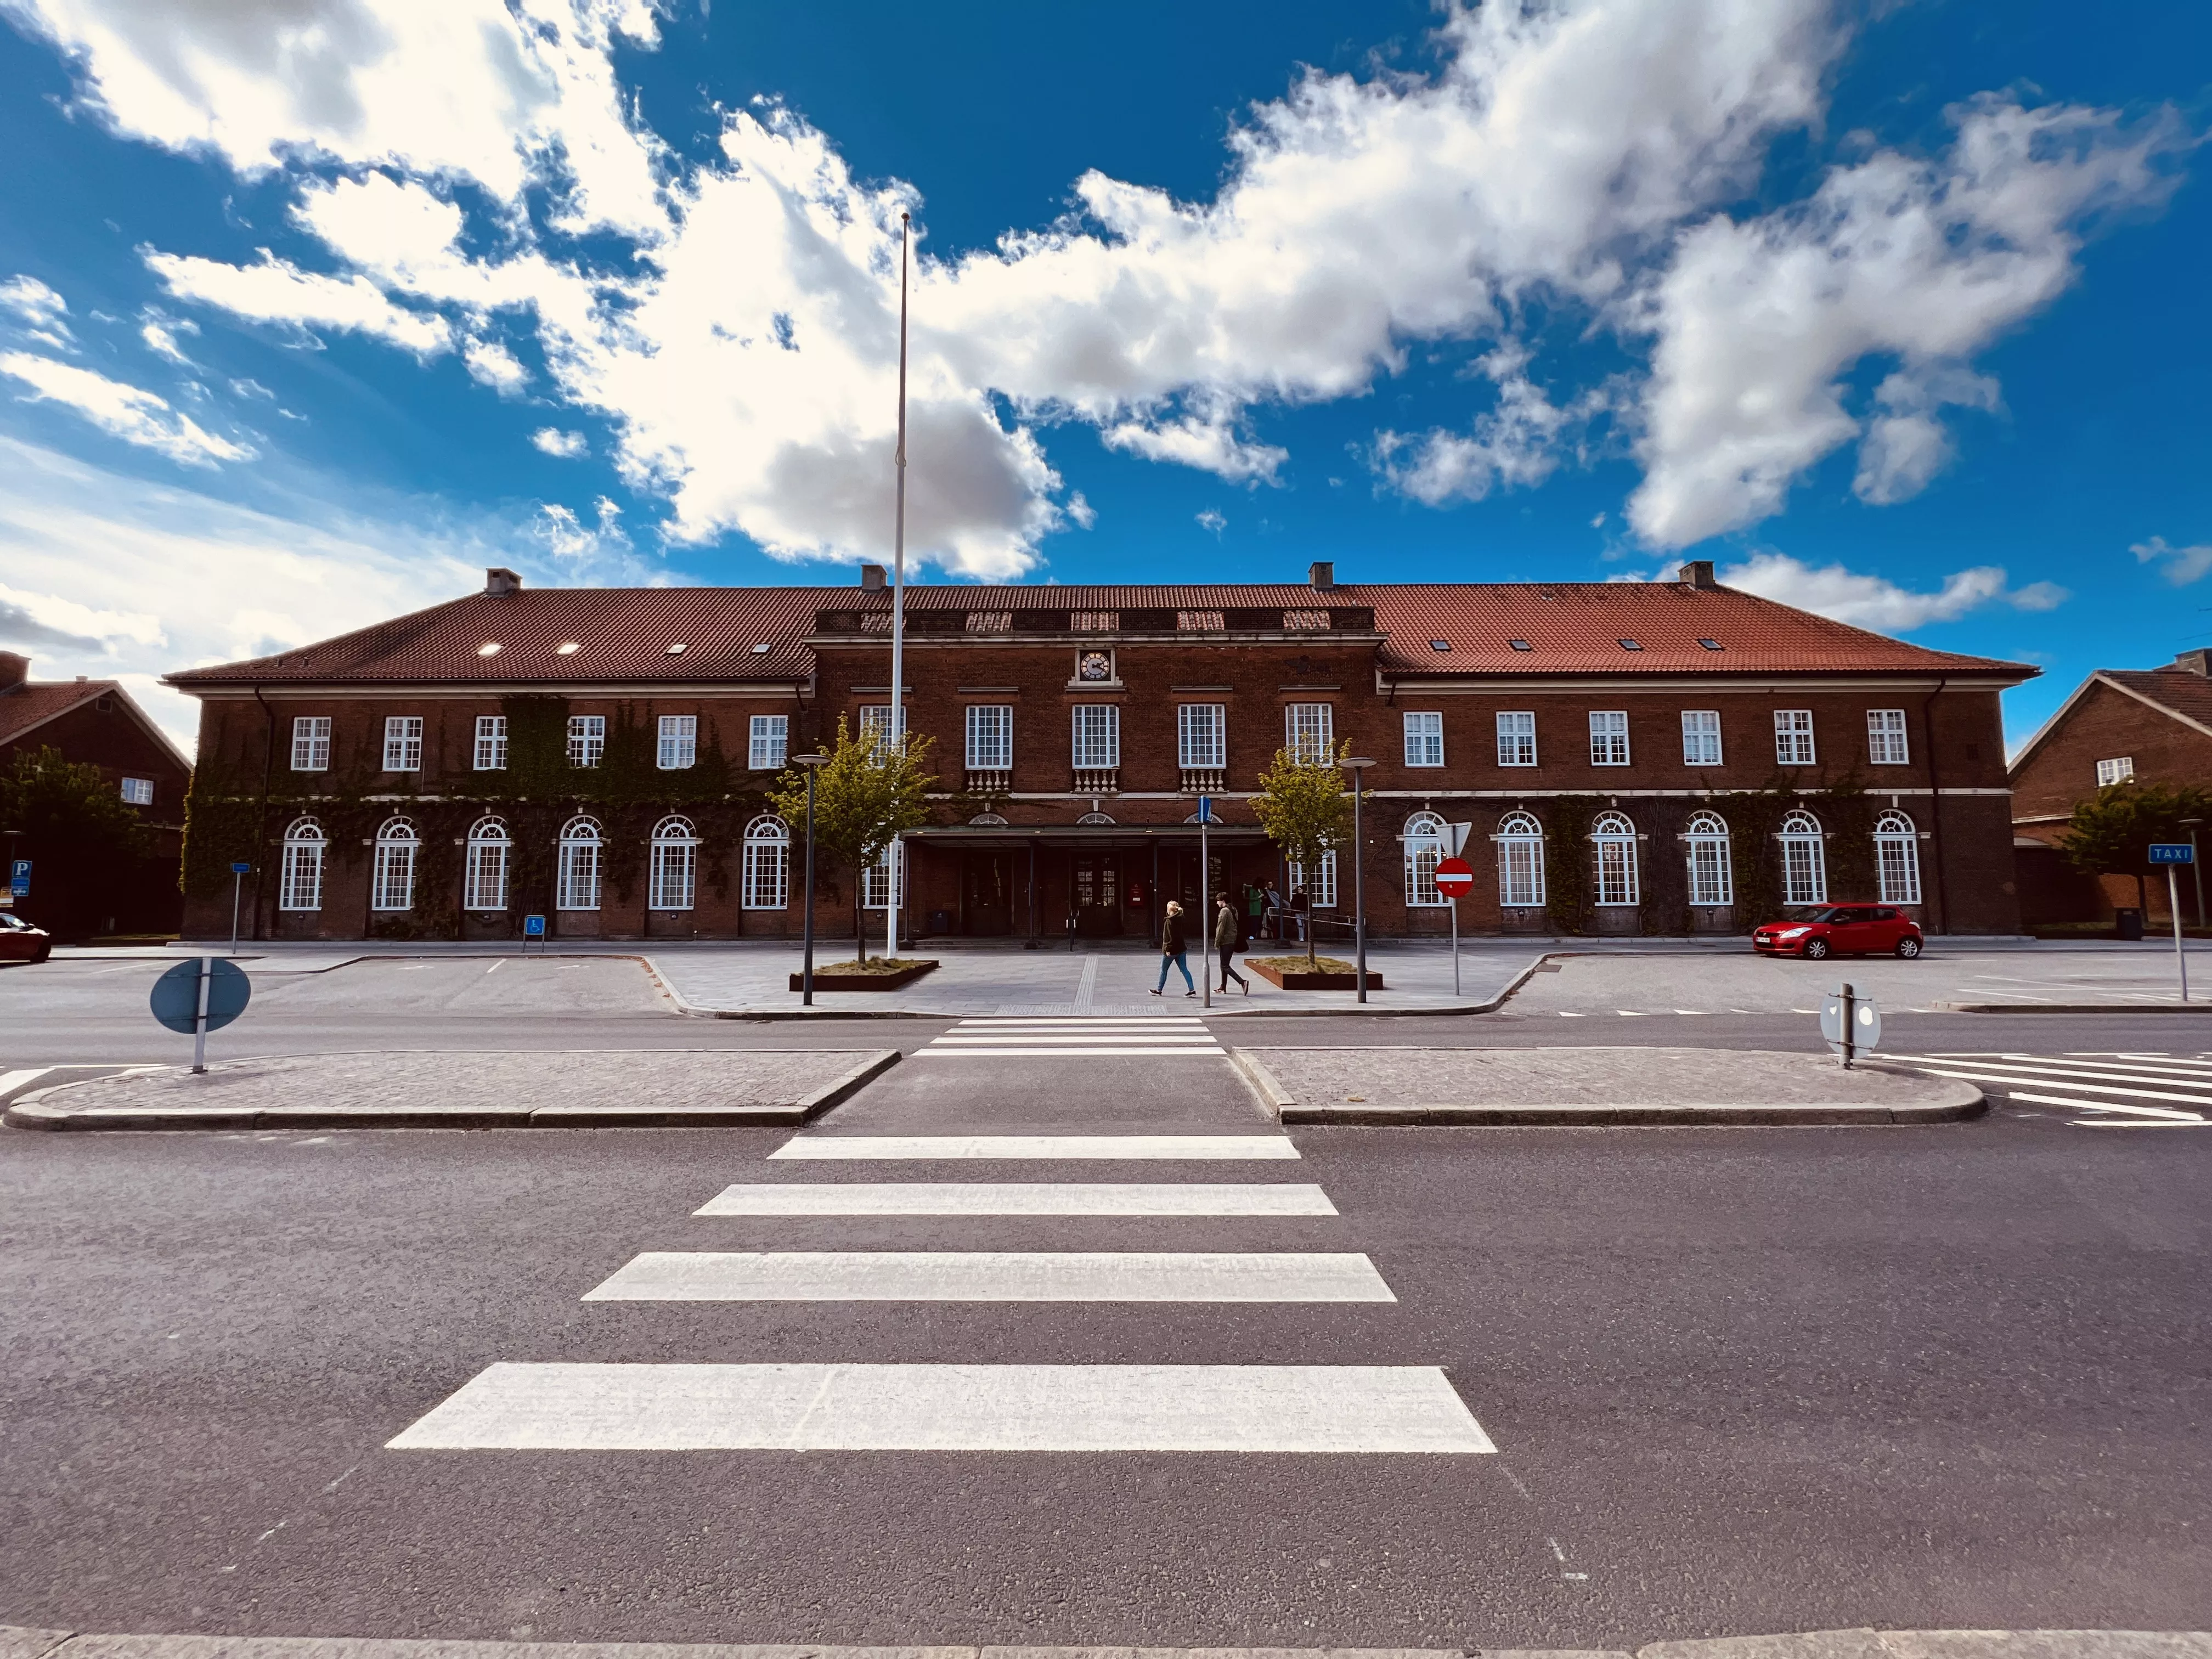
(951, 1407)
(993, 1276)
(1020, 1198)
(935, 1053)
(2104, 1083)
(1011, 1147)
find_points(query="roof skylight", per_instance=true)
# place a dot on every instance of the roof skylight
(566, 648)
(1518, 645)
(488, 649)
(1439, 645)
(1630, 644)
(677, 649)
(1712, 644)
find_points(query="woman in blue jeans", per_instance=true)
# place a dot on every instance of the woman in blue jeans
(1174, 941)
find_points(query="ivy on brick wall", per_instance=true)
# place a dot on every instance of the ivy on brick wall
(1569, 877)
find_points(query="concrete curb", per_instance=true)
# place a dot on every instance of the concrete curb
(1263, 1083)
(1864, 1644)
(31, 1111)
(2075, 1007)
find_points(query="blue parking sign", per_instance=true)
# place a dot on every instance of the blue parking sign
(533, 927)
(19, 878)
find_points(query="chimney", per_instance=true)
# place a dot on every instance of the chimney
(500, 583)
(872, 576)
(1321, 574)
(2195, 662)
(14, 671)
(1698, 572)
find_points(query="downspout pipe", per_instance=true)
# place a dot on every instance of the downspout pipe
(1936, 803)
(261, 816)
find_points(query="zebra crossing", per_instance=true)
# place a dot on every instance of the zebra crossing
(2128, 1090)
(1075, 1036)
(967, 1405)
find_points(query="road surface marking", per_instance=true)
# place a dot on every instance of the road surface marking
(1075, 1408)
(991, 1276)
(1208, 1147)
(12, 1080)
(2161, 1112)
(1019, 1197)
(935, 1053)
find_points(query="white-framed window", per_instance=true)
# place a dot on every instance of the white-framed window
(1609, 730)
(1517, 737)
(767, 742)
(765, 877)
(1614, 837)
(299, 878)
(1202, 735)
(1520, 842)
(672, 873)
(392, 876)
(990, 737)
(491, 743)
(489, 855)
(1701, 736)
(1896, 859)
(1886, 740)
(1712, 871)
(1793, 736)
(2109, 772)
(581, 866)
(1309, 732)
(876, 726)
(310, 743)
(1424, 738)
(587, 746)
(679, 747)
(402, 743)
(1321, 890)
(1097, 738)
(1804, 860)
(139, 792)
(876, 879)
(1424, 841)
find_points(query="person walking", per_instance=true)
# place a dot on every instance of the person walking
(1226, 929)
(1175, 943)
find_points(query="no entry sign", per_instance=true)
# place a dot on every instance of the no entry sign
(1455, 877)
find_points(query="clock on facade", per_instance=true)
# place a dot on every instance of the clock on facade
(1096, 666)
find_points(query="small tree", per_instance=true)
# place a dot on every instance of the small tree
(2111, 834)
(1305, 809)
(72, 824)
(871, 791)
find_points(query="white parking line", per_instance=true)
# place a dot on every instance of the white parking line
(1241, 1408)
(924, 1147)
(1021, 1198)
(993, 1276)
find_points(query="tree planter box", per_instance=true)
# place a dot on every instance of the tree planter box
(841, 976)
(1299, 979)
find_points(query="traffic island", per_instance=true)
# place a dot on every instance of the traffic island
(876, 974)
(558, 1089)
(1593, 1087)
(1323, 973)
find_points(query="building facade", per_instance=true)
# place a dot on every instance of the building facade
(1655, 758)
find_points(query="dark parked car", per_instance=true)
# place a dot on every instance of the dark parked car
(1840, 930)
(20, 941)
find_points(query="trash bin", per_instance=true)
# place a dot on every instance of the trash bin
(2129, 921)
(941, 923)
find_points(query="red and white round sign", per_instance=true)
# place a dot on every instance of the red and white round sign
(1455, 877)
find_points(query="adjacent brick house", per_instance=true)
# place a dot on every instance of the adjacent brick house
(2154, 725)
(1632, 757)
(97, 722)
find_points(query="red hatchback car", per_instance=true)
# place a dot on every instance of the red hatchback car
(20, 941)
(1840, 930)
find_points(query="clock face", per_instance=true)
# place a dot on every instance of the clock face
(1095, 665)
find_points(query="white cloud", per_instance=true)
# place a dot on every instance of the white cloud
(41, 309)
(491, 363)
(598, 554)
(553, 441)
(1516, 443)
(159, 334)
(1213, 521)
(1875, 602)
(128, 412)
(277, 291)
(2178, 565)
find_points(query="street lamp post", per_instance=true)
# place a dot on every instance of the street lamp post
(1355, 765)
(2196, 870)
(810, 765)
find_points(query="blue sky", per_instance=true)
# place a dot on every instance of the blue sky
(309, 310)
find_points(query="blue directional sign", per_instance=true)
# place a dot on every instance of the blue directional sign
(2173, 852)
(1205, 809)
(533, 927)
(19, 878)
(176, 998)
(240, 867)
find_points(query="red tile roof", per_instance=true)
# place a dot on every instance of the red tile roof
(36, 702)
(622, 634)
(2175, 688)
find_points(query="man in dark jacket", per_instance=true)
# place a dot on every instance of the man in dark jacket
(1225, 942)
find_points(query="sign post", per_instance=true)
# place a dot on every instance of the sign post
(203, 995)
(1205, 953)
(1455, 880)
(238, 871)
(1849, 1022)
(533, 927)
(2173, 855)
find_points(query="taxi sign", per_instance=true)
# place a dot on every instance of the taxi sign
(1455, 877)
(2173, 852)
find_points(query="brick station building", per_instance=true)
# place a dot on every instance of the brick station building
(1658, 758)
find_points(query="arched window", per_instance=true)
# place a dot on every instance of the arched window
(765, 880)
(1095, 818)
(987, 821)
(1712, 871)
(299, 882)
(1614, 837)
(581, 866)
(1804, 860)
(1520, 841)
(484, 876)
(672, 881)
(1896, 858)
(392, 878)
(1424, 841)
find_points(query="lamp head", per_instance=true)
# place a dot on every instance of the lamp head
(810, 761)
(1356, 762)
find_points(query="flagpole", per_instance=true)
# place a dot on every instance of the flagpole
(898, 597)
